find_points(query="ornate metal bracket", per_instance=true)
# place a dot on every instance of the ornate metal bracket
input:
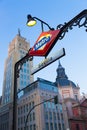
(79, 20)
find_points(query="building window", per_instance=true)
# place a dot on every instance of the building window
(62, 116)
(24, 76)
(49, 105)
(46, 115)
(27, 77)
(21, 82)
(24, 70)
(24, 83)
(55, 125)
(21, 110)
(47, 126)
(51, 126)
(52, 105)
(27, 71)
(20, 45)
(21, 70)
(21, 120)
(18, 111)
(21, 75)
(24, 118)
(34, 127)
(76, 97)
(28, 65)
(24, 64)
(18, 121)
(59, 126)
(54, 115)
(27, 128)
(29, 105)
(60, 107)
(30, 127)
(77, 127)
(33, 115)
(63, 127)
(50, 115)
(45, 105)
(26, 107)
(32, 103)
(58, 116)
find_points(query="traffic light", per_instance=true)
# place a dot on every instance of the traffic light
(56, 99)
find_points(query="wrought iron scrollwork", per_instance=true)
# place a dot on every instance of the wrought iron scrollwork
(79, 20)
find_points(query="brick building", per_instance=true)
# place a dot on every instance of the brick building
(79, 118)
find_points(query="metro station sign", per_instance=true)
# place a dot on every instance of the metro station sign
(47, 61)
(44, 43)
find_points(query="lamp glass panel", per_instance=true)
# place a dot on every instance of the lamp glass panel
(31, 23)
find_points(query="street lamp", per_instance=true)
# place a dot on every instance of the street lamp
(79, 20)
(31, 22)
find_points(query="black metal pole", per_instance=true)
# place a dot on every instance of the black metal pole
(44, 23)
(16, 75)
(15, 98)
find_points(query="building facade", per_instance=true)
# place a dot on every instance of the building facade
(67, 88)
(17, 49)
(79, 119)
(6, 117)
(46, 116)
(69, 93)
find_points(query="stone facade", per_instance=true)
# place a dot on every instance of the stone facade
(46, 116)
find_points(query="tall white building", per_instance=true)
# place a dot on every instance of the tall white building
(17, 49)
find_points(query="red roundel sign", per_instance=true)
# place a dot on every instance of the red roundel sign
(44, 43)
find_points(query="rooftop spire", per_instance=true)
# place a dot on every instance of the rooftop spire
(61, 72)
(59, 66)
(19, 34)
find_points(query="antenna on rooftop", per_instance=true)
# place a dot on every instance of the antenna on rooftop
(19, 32)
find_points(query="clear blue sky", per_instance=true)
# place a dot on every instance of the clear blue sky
(13, 16)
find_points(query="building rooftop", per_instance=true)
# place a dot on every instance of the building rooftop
(40, 84)
(62, 79)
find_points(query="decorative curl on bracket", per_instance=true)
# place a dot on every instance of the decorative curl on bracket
(79, 20)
